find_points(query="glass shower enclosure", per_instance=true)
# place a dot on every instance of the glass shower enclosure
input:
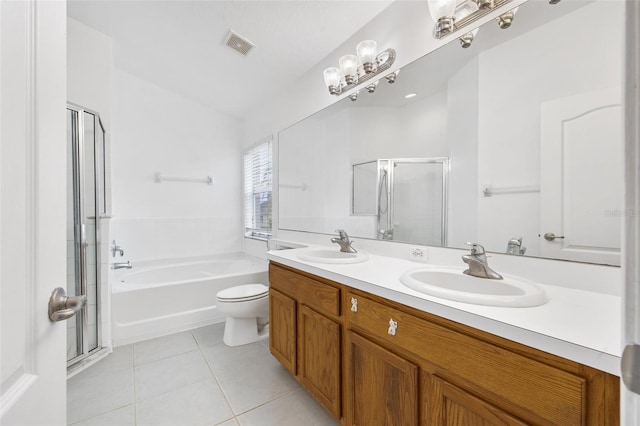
(86, 203)
(407, 196)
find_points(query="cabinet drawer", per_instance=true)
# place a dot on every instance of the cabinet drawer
(535, 390)
(318, 295)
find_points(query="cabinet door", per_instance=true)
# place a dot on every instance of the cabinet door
(383, 388)
(282, 329)
(320, 366)
(450, 405)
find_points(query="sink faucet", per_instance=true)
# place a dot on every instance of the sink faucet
(344, 242)
(477, 261)
(514, 246)
(121, 265)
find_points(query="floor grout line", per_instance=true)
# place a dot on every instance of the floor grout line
(260, 348)
(224, 394)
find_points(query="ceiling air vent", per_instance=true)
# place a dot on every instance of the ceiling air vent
(239, 43)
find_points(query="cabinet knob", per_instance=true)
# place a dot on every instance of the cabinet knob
(393, 325)
(354, 304)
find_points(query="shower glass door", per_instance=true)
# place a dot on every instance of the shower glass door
(85, 204)
(412, 200)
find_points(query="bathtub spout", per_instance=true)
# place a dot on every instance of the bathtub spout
(121, 265)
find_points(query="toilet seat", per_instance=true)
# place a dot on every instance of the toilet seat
(243, 293)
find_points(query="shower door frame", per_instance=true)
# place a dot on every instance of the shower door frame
(80, 247)
(390, 163)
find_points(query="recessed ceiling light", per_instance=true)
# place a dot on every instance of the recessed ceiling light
(410, 95)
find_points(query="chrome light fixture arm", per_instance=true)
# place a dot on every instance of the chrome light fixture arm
(383, 62)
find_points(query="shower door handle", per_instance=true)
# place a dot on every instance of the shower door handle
(63, 307)
(83, 235)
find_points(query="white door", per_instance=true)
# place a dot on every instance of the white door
(32, 210)
(581, 183)
(630, 388)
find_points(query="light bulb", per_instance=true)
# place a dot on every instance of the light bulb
(465, 10)
(441, 8)
(367, 51)
(349, 67)
(332, 77)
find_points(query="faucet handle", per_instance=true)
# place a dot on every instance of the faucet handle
(116, 249)
(342, 234)
(476, 248)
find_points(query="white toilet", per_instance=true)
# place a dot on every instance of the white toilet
(247, 310)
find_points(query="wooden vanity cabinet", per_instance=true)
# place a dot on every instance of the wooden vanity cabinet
(305, 332)
(470, 377)
(382, 387)
(371, 361)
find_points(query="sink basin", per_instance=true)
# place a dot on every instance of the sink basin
(331, 256)
(450, 283)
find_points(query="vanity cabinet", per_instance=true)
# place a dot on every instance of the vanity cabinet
(390, 364)
(472, 377)
(305, 332)
(383, 387)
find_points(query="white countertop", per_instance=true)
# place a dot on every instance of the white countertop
(582, 326)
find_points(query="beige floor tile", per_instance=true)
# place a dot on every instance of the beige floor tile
(169, 374)
(201, 403)
(295, 409)
(163, 347)
(89, 395)
(249, 375)
(125, 416)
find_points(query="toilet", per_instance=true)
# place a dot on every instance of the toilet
(247, 310)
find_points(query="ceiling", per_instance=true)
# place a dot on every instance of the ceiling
(180, 44)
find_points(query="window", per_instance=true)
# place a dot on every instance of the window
(257, 191)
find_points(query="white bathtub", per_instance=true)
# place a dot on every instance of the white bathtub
(158, 298)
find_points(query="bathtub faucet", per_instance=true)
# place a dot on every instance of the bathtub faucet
(121, 265)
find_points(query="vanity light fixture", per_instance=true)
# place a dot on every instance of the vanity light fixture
(372, 87)
(391, 78)
(467, 39)
(442, 13)
(461, 13)
(357, 69)
(452, 15)
(504, 20)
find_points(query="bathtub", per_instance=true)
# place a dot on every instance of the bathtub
(161, 297)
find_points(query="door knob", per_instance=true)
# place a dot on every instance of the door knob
(62, 307)
(630, 367)
(550, 236)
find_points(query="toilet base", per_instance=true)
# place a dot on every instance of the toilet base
(242, 331)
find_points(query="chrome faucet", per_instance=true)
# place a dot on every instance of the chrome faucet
(514, 246)
(344, 242)
(116, 249)
(477, 261)
(121, 265)
(385, 234)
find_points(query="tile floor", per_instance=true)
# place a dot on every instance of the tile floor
(190, 378)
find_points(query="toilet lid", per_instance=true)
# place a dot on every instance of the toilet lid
(243, 292)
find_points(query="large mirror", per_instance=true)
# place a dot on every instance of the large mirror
(527, 120)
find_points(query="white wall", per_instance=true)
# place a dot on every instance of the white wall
(155, 130)
(89, 69)
(462, 132)
(509, 132)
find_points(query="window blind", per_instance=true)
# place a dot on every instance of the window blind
(257, 190)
